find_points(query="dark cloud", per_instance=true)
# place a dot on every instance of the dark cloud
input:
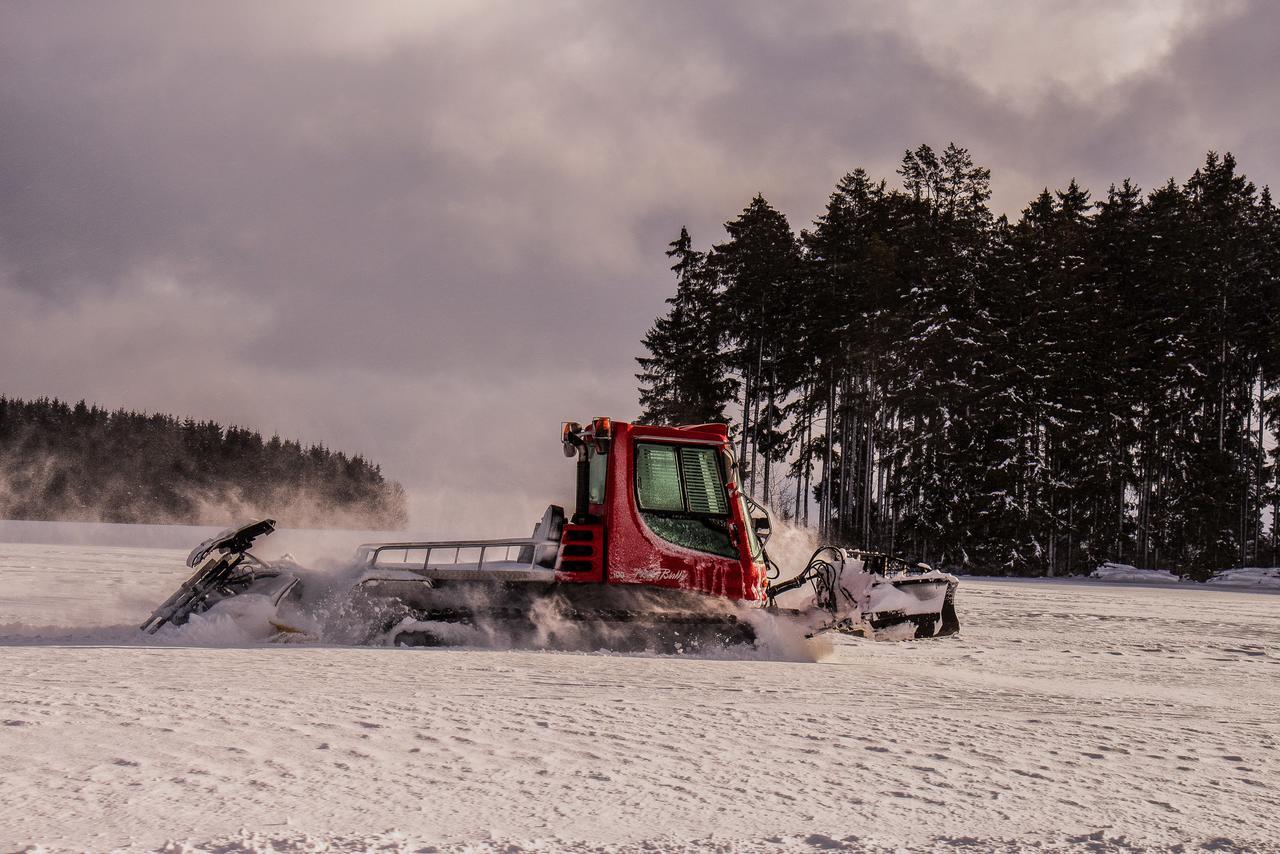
(428, 232)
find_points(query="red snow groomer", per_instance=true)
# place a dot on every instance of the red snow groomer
(663, 551)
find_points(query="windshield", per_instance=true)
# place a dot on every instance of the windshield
(681, 495)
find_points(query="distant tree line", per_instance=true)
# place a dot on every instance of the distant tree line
(63, 462)
(1095, 381)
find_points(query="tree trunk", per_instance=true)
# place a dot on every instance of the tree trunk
(1261, 471)
(842, 506)
(746, 424)
(808, 460)
(800, 459)
(1071, 509)
(768, 451)
(1053, 512)
(755, 420)
(824, 525)
(755, 435)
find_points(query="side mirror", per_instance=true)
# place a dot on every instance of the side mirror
(570, 438)
(761, 524)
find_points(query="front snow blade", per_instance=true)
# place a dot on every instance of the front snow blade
(874, 595)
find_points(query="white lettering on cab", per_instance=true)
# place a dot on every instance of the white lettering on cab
(662, 573)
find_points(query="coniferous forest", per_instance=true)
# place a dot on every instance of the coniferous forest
(1096, 380)
(83, 463)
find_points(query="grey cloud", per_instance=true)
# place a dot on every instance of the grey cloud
(429, 233)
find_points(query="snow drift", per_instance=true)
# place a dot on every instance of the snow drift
(1248, 576)
(1123, 573)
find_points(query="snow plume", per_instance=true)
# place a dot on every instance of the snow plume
(77, 593)
(334, 609)
(24, 477)
(782, 638)
(790, 546)
(298, 507)
(640, 621)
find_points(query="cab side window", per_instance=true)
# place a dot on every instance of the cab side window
(597, 476)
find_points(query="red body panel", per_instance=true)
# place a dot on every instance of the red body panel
(635, 555)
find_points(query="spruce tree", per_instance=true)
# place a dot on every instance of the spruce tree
(684, 379)
(759, 268)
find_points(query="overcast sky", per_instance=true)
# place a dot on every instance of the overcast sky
(429, 232)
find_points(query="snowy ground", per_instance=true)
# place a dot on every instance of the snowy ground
(1066, 715)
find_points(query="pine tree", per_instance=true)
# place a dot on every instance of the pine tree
(684, 379)
(759, 267)
(949, 238)
(1113, 298)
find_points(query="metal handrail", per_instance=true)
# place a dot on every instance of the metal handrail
(452, 544)
(369, 552)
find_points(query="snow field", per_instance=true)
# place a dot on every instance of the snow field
(1065, 715)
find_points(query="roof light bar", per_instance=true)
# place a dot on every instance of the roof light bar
(602, 433)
